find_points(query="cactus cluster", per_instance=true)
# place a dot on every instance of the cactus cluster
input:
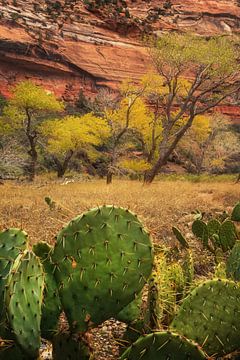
(215, 235)
(97, 268)
(208, 312)
(98, 265)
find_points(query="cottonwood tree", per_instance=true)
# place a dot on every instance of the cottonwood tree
(122, 121)
(68, 136)
(26, 109)
(196, 74)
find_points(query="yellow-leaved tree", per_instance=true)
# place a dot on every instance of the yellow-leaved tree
(67, 136)
(27, 108)
(195, 75)
(124, 122)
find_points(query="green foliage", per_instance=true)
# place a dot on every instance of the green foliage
(208, 316)
(103, 254)
(163, 345)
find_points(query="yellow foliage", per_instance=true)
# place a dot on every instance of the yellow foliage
(156, 84)
(136, 165)
(180, 51)
(27, 97)
(201, 128)
(33, 97)
(73, 133)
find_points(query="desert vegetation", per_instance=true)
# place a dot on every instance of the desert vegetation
(196, 252)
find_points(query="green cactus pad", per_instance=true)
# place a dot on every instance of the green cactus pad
(236, 212)
(131, 312)
(72, 347)
(24, 300)
(12, 243)
(163, 345)
(213, 227)
(200, 230)
(210, 316)
(233, 263)
(227, 235)
(180, 237)
(102, 260)
(51, 307)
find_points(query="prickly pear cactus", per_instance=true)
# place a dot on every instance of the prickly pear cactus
(67, 346)
(163, 345)
(12, 243)
(103, 254)
(162, 294)
(200, 230)
(179, 236)
(236, 212)
(51, 306)
(209, 317)
(154, 313)
(23, 301)
(131, 312)
(188, 268)
(233, 263)
(227, 235)
(213, 226)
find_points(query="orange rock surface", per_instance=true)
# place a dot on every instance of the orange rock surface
(66, 47)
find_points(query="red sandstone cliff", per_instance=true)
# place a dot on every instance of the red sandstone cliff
(68, 45)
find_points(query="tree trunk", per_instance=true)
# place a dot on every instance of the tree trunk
(32, 152)
(34, 157)
(109, 177)
(62, 167)
(150, 174)
(33, 164)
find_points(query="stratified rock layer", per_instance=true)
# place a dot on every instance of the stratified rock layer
(67, 46)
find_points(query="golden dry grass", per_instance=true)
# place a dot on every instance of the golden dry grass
(159, 205)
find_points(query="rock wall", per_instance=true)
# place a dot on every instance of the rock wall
(69, 45)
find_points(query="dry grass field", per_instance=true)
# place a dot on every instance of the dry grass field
(160, 205)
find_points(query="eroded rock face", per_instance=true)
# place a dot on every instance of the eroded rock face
(69, 45)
